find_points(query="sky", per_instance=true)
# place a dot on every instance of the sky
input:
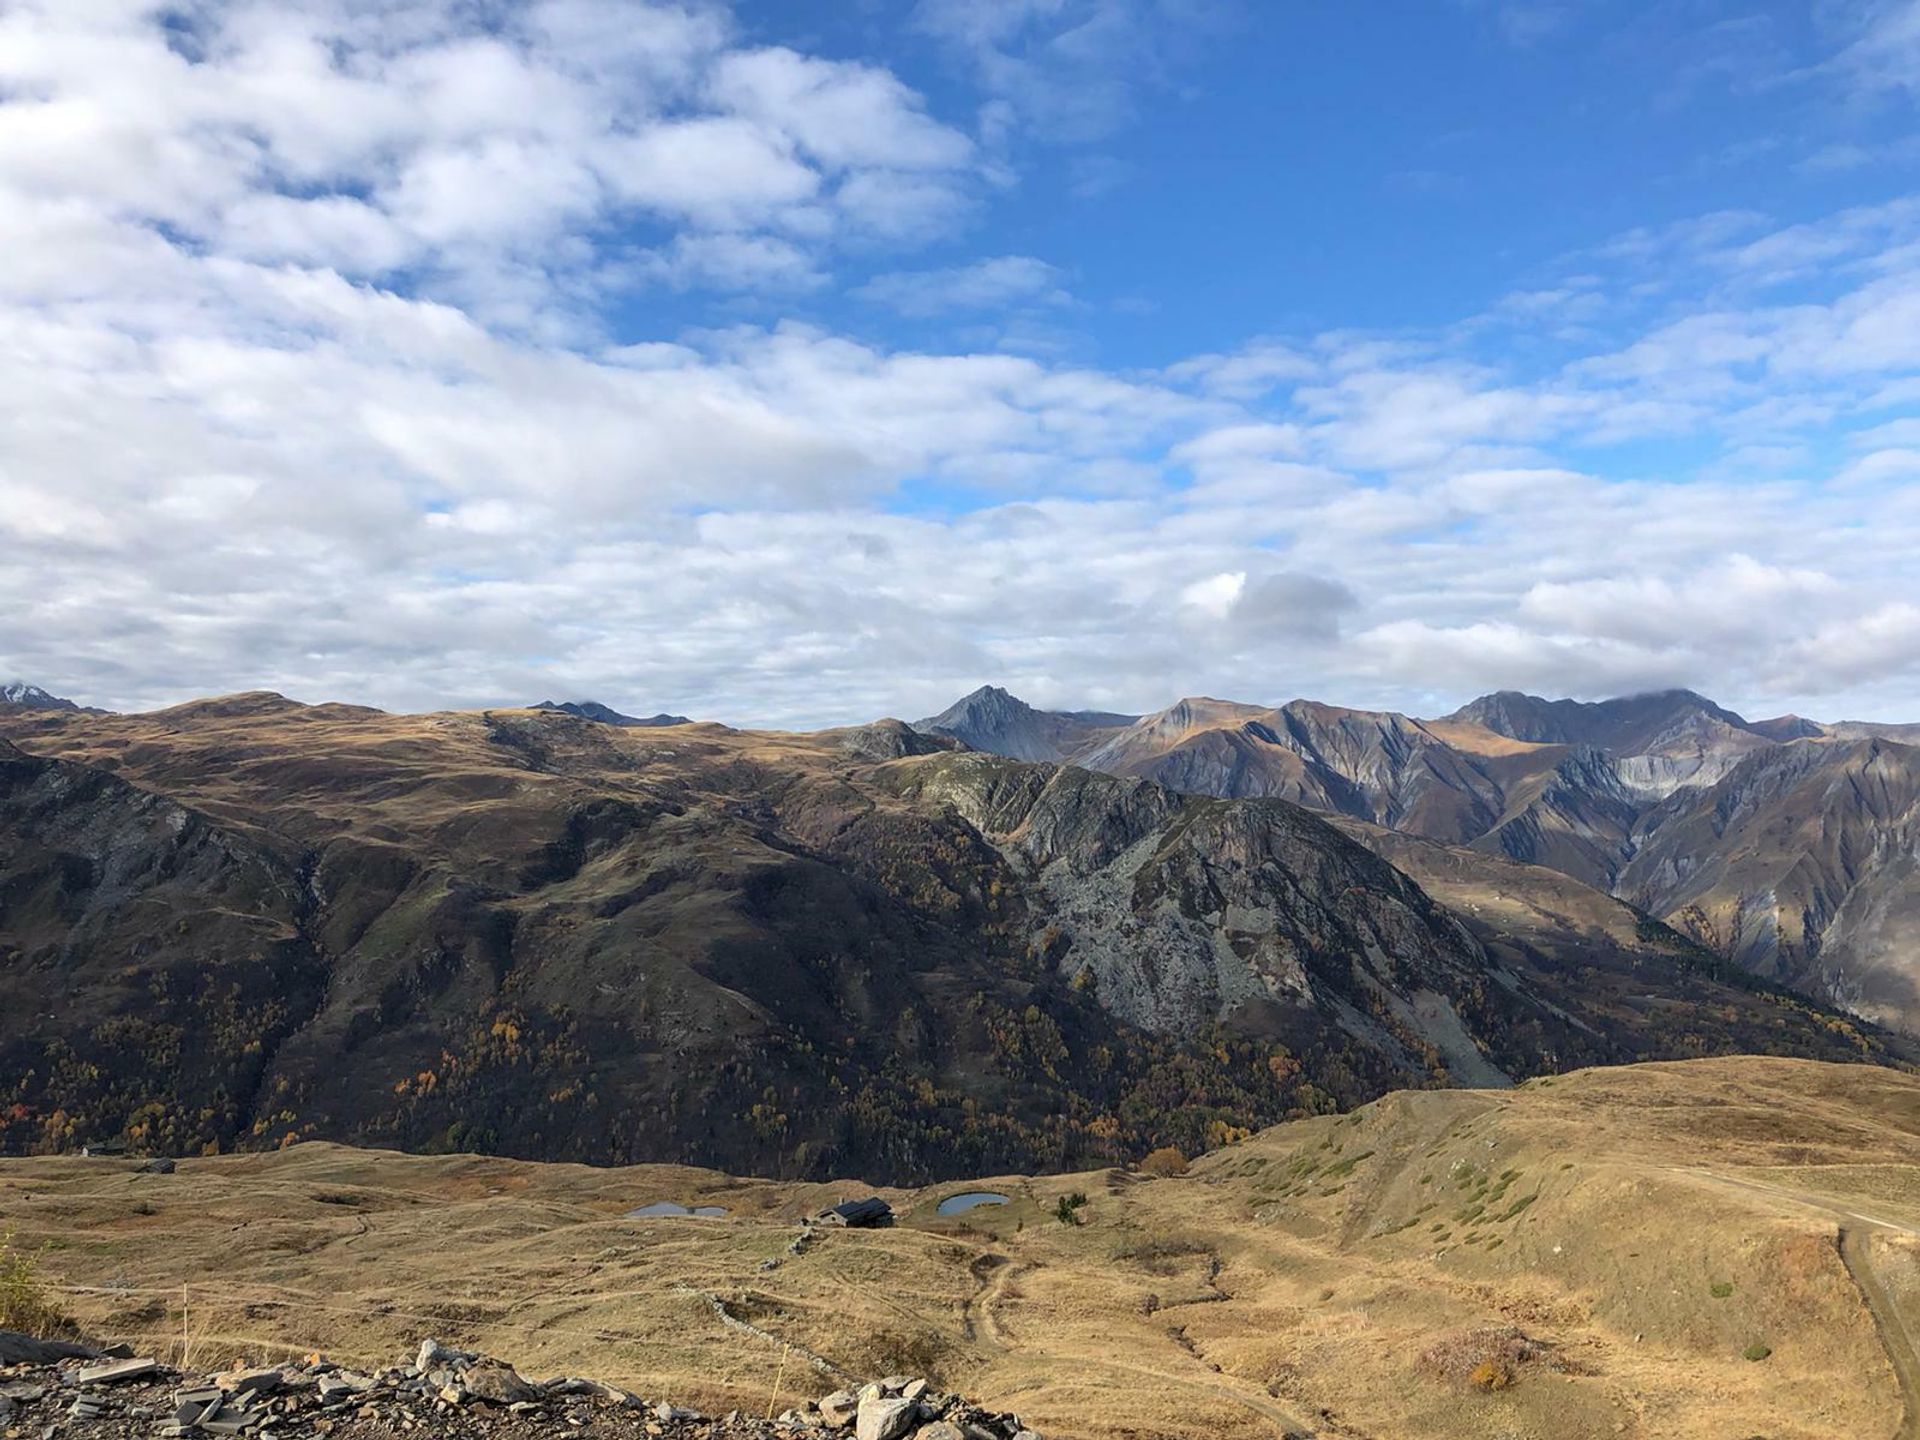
(798, 364)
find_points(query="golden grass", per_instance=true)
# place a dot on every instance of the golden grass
(1303, 1272)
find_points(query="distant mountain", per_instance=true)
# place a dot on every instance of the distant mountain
(992, 720)
(1774, 844)
(32, 697)
(1627, 724)
(1802, 864)
(606, 715)
(864, 951)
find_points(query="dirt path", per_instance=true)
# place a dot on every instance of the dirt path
(1896, 1336)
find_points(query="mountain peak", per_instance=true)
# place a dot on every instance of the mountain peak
(32, 697)
(607, 715)
(999, 722)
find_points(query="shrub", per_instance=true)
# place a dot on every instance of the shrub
(1721, 1289)
(1756, 1351)
(1164, 1162)
(1495, 1373)
(25, 1304)
(1067, 1211)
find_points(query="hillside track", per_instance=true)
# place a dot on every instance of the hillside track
(1855, 1230)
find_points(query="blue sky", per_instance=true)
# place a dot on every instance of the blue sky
(797, 364)
(1299, 168)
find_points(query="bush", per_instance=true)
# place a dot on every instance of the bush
(1164, 1162)
(1757, 1351)
(25, 1304)
(1067, 1212)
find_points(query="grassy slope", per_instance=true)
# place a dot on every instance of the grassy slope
(1647, 1223)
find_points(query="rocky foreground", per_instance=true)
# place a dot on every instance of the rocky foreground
(50, 1388)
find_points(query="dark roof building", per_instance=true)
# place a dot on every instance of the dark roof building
(859, 1214)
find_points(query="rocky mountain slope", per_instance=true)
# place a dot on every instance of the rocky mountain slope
(243, 920)
(1782, 845)
(1803, 863)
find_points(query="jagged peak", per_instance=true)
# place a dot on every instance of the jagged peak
(32, 697)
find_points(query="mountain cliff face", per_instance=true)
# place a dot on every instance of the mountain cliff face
(1737, 833)
(862, 951)
(1804, 865)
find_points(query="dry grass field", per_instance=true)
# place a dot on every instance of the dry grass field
(1724, 1248)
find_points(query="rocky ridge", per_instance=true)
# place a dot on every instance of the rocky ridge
(607, 715)
(1781, 845)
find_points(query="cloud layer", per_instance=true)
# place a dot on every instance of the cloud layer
(311, 384)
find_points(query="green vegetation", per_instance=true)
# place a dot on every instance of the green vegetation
(26, 1304)
(1067, 1211)
(1756, 1351)
(1342, 1168)
(1721, 1289)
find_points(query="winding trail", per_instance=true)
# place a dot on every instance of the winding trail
(1895, 1337)
(1855, 1231)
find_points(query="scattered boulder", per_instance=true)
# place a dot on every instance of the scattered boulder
(116, 1370)
(47, 1388)
(840, 1407)
(18, 1349)
(883, 1417)
(496, 1384)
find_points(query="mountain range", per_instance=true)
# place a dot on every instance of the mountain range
(1785, 845)
(875, 949)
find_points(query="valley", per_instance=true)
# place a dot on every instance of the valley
(1720, 1247)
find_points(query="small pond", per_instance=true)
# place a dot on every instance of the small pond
(673, 1207)
(968, 1200)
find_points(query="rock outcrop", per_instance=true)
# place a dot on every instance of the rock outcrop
(47, 1389)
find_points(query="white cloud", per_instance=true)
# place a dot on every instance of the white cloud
(997, 283)
(304, 389)
(372, 138)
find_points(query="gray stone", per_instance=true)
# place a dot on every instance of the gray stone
(117, 1370)
(497, 1384)
(940, 1430)
(913, 1389)
(881, 1418)
(840, 1407)
(246, 1382)
(433, 1355)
